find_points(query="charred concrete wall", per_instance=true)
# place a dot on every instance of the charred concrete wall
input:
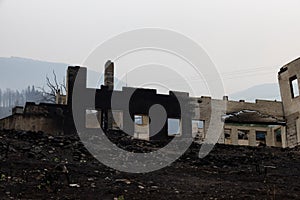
(139, 103)
(261, 112)
(71, 76)
(109, 75)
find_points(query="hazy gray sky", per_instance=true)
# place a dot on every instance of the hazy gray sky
(247, 40)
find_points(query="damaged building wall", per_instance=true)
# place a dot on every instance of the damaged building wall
(202, 112)
(47, 118)
(256, 119)
(288, 78)
(262, 116)
(261, 112)
(255, 135)
(261, 122)
(139, 103)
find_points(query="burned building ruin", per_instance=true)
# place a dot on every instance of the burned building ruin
(264, 122)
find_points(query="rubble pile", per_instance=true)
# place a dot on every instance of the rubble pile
(39, 166)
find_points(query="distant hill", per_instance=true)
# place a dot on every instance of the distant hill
(18, 73)
(269, 91)
(20, 79)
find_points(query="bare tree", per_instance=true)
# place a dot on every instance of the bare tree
(53, 88)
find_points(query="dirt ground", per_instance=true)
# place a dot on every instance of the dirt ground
(37, 166)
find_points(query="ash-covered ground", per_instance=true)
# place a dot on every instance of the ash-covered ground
(39, 166)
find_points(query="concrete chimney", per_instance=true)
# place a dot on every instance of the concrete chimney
(109, 75)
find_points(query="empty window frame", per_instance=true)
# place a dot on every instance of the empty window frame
(227, 134)
(243, 134)
(92, 118)
(294, 86)
(141, 120)
(198, 123)
(198, 129)
(278, 135)
(141, 128)
(261, 137)
(173, 127)
(138, 119)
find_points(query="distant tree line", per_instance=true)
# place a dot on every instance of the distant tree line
(10, 98)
